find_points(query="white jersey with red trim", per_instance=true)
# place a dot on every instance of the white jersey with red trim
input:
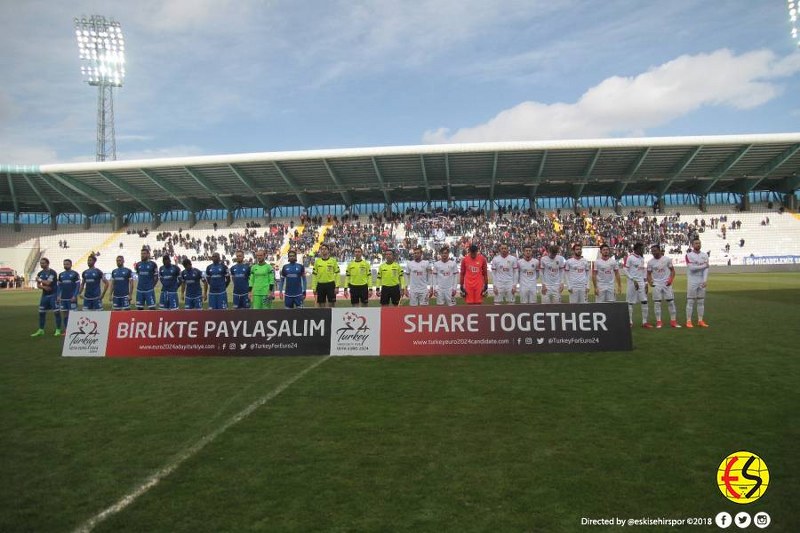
(660, 270)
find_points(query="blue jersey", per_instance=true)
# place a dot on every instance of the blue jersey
(92, 278)
(147, 271)
(120, 278)
(293, 276)
(240, 272)
(192, 279)
(68, 283)
(48, 275)
(170, 277)
(217, 277)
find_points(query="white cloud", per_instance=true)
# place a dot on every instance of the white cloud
(631, 105)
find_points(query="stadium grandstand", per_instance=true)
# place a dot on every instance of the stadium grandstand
(738, 193)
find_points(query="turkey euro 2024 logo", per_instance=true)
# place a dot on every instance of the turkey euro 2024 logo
(743, 477)
(86, 337)
(354, 330)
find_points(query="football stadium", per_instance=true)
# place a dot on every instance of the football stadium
(524, 439)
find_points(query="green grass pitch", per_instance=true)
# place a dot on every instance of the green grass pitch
(474, 443)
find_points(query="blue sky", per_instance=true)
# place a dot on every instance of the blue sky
(229, 76)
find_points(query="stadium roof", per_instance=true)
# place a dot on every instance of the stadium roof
(613, 167)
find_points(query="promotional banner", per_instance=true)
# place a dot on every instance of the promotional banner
(489, 329)
(388, 331)
(221, 333)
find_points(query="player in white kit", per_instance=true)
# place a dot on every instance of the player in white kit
(660, 275)
(417, 274)
(552, 269)
(528, 276)
(576, 270)
(605, 276)
(636, 270)
(504, 273)
(445, 273)
(696, 280)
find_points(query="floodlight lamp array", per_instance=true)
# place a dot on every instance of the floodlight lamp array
(101, 46)
(794, 13)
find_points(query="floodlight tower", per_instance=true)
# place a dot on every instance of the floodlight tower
(794, 12)
(102, 52)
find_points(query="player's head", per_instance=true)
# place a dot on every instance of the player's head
(696, 245)
(527, 252)
(389, 255)
(261, 255)
(503, 250)
(473, 250)
(67, 264)
(638, 248)
(292, 256)
(120, 261)
(239, 256)
(187, 263)
(656, 251)
(91, 260)
(324, 251)
(166, 260)
(418, 253)
(577, 249)
(605, 251)
(358, 252)
(444, 253)
(44, 263)
(145, 254)
(215, 258)
(553, 250)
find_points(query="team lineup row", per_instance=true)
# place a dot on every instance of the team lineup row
(419, 280)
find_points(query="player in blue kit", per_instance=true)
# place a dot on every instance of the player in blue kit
(121, 286)
(147, 276)
(69, 283)
(93, 279)
(170, 276)
(240, 273)
(218, 279)
(46, 279)
(194, 288)
(292, 284)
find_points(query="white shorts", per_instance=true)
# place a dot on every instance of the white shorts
(695, 291)
(528, 296)
(553, 295)
(445, 296)
(417, 298)
(605, 295)
(503, 295)
(634, 296)
(662, 292)
(579, 296)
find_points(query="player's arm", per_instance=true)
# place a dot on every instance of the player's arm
(402, 278)
(282, 281)
(314, 276)
(347, 277)
(130, 286)
(594, 278)
(205, 286)
(405, 279)
(567, 277)
(515, 273)
(303, 282)
(671, 275)
(618, 280)
(485, 274)
(650, 275)
(79, 292)
(182, 290)
(105, 286)
(227, 278)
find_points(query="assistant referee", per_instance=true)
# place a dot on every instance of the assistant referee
(325, 283)
(391, 281)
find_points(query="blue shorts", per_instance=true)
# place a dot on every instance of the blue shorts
(145, 299)
(68, 305)
(241, 301)
(218, 301)
(195, 302)
(121, 303)
(93, 304)
(292, 302)
(168, 300)
(48, 303)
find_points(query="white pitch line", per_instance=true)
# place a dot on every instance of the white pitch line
(189, 452)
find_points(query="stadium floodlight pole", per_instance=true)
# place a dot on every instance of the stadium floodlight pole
(794, 12)
(102, 52)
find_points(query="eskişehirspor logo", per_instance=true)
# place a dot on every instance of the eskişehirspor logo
(743, 477)
(87, 336)
(355, 328)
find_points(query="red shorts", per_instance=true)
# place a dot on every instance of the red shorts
(474, 294)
